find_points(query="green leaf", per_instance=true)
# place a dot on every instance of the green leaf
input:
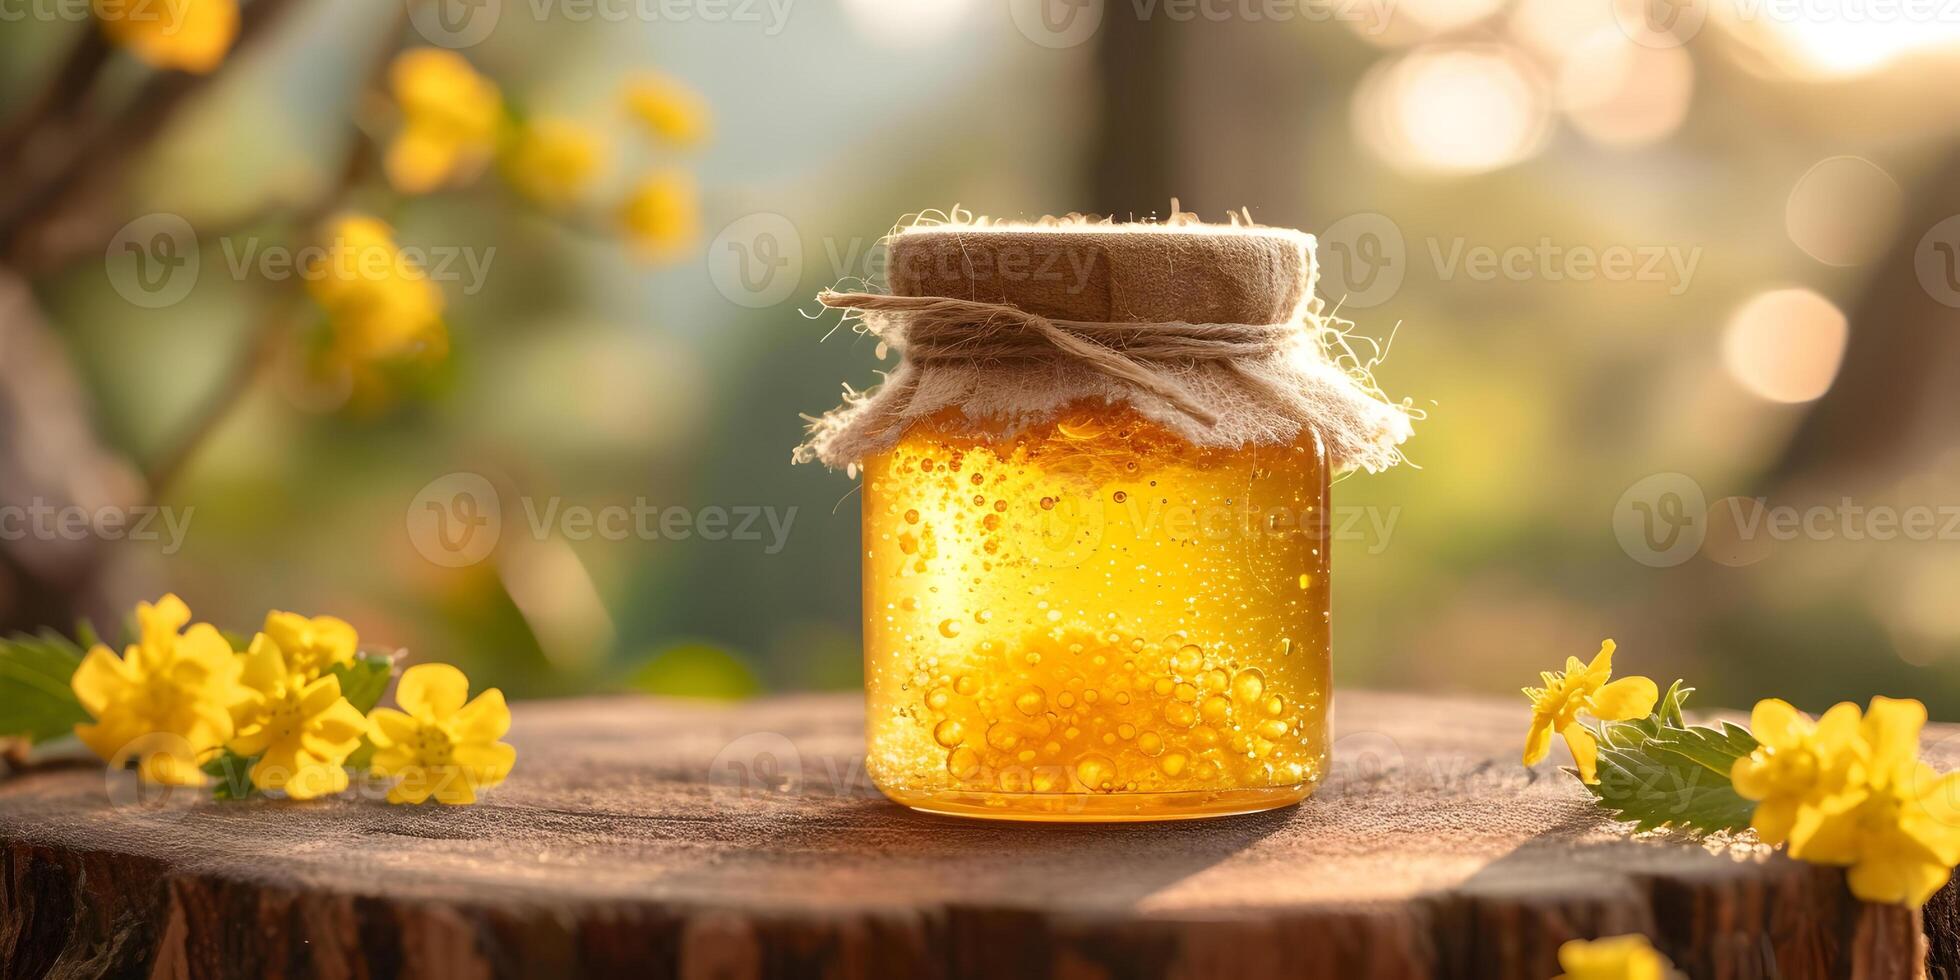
(1669, 709)
(36, 701)
(231, 775)
(363, 683)
(1661, 771)
(362, 758)
(1654, 789)
(1666, 730)
(1713, 748)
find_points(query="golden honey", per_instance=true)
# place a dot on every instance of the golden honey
(1094, 620)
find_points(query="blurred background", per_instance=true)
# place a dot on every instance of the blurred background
(1675, 281)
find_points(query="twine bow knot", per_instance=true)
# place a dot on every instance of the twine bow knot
(938, 328)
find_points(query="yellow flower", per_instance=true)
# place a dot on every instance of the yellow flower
(311, 646)
(1613, 958)
(661, 215)
(1583, 687)
(300, 729)
(1797, 760)
(169, 699)
(1895, 824)
(381, 305)
(451, 117)
(437, 745)
(188, 35)
(552, 160)
(671, 110)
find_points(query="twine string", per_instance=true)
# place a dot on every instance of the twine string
(938, 328)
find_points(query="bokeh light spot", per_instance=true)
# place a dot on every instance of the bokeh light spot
(1785, 345)
(1843, 211)
(1453, 110)
(1621, 93)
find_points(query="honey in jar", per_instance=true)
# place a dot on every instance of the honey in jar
(1081, 602)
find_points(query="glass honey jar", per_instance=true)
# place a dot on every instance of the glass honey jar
(1093, 606)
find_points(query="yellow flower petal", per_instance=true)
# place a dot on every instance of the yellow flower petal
(1538, 741)
(1585, 752)
(1602, 662)
(1773, 820)
(408, 792)
(1628, 697)
(100, 680)
(1897, 876)
(1838, 726)
(419, 161)
(388, 727)
(265, 664)
(392, 761)
(669, 109)
(486, 765)
(1629, 957)
(1826, 831)
(1778, 723)
(315, 780)
(455, 790)
(187, 35)
(484, 719)
(432, 691)
(1891, 730)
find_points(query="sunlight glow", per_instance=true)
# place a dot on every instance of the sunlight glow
(1446, 15)
(907, 23)
(1843, 38)
(1459, 109)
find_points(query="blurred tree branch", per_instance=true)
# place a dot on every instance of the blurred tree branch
(58, 170)
(58, 208)
(64, 97)
(281, 311)
(50, 459)
(1892, 382)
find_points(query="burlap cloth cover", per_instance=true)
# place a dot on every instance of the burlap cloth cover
(1184, 284)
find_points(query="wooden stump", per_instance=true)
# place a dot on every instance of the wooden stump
(660, 838)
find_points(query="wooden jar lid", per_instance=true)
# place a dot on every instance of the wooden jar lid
(1107, 273)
